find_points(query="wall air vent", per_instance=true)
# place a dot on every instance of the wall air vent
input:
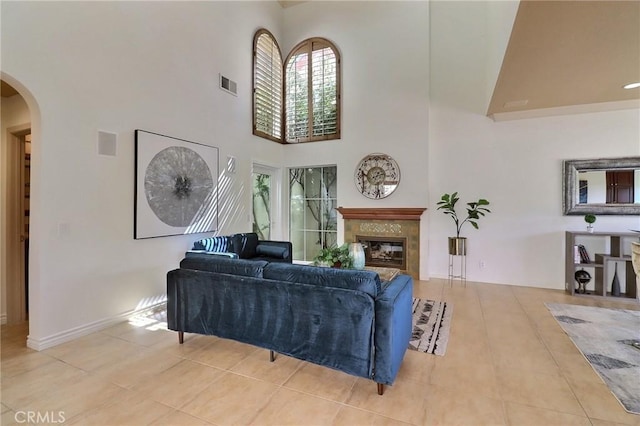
(228, 85)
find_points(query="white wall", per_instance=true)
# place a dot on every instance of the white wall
(384, 48)
(117, 67)
(14, 113)
(516, 165)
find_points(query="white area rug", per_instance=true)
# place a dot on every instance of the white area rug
(431, 323)
(610, 340)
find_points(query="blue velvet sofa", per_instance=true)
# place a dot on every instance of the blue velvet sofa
(343, 319)
(244, 246)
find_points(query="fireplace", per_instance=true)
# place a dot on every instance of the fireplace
(387, 252)
(391, 236)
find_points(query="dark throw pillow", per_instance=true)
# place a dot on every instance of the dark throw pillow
(245, 245)
(272, 251)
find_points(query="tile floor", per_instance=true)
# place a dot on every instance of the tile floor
(507, 363)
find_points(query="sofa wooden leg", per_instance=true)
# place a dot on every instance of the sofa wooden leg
(380, 388)
(272, 356)
(181, 337)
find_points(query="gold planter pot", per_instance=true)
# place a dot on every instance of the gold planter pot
(458, 246)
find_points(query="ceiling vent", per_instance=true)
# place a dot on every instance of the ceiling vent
(228, 85)
(516, 104)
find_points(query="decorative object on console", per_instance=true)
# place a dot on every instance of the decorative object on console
(175, 186)
(615, 283)
(582, 278)
(584, 254)
(590, 219)
(377, 176)
(335, 257)
(356, 251)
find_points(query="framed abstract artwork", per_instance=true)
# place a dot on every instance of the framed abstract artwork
(176, 186)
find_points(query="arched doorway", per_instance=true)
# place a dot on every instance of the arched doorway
(19, 116)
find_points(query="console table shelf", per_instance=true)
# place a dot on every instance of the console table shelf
(603, 263)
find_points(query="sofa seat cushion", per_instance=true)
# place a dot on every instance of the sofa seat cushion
(224, 265)
(365, 281)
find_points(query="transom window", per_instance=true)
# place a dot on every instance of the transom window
(310, 92)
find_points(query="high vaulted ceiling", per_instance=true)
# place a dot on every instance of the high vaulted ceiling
(569, 56)
(563, 57)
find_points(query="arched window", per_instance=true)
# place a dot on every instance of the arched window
(267, 86)
(310, 101)
(312, 92)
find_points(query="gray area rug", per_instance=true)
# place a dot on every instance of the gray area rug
(431, 323)
(610, 340)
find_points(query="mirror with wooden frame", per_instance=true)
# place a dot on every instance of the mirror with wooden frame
(604, 186)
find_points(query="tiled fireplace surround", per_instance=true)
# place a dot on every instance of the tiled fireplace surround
(387, 223)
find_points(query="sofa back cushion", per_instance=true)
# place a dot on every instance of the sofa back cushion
(245, 244)
(217, 244)
(365, 281)
(224, 265)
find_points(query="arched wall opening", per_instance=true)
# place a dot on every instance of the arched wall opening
(12, 131)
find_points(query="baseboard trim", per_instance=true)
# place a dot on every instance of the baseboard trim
(83, 330)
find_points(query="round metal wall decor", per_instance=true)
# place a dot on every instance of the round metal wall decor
(177, 183)
(377, 176)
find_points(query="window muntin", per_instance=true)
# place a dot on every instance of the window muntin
(267, 86)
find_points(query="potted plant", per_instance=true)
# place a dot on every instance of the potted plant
(590, 219)
(475, 209)
(335, 257)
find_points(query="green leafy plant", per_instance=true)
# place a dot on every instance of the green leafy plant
(336, 256)
(475, 210)
(590, 218)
